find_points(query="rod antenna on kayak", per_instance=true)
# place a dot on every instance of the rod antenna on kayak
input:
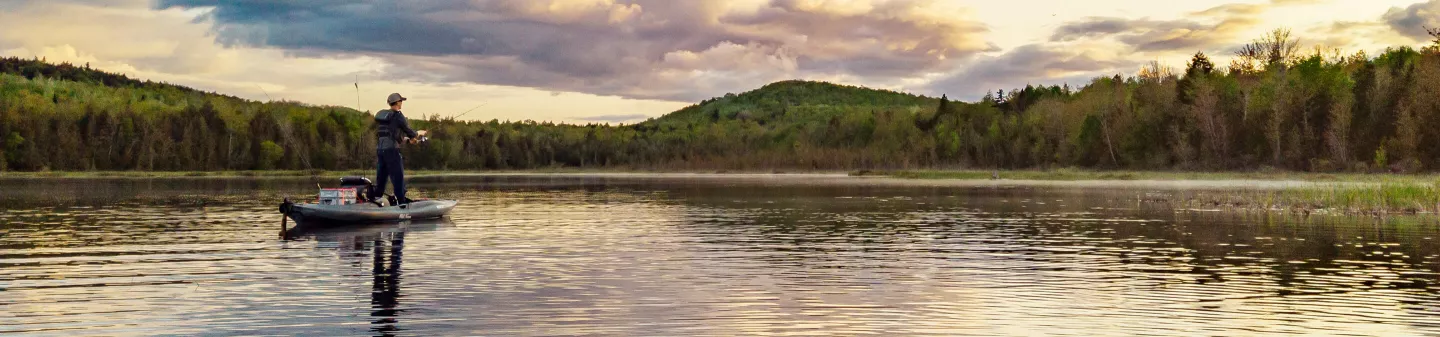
(357, 92)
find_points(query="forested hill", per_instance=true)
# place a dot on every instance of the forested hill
(36, 68)
(66, 117)
(791, 102)
(1272, 107)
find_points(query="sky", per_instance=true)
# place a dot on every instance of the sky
(622, 61)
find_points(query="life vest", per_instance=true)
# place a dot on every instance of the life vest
(385, 130)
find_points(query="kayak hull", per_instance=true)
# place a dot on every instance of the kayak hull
(369, 212)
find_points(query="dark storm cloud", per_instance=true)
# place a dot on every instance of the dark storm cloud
(330, 25)
(1412, 20)
(640, 48)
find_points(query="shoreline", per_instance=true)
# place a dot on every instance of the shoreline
(936, 178)
(1060, 175)
(408, 173)
(1099, 179)
(1121, 175)
(1295, 192)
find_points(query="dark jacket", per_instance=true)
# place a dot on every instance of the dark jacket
(391, 126)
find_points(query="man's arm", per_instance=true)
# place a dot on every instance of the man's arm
(405, 126)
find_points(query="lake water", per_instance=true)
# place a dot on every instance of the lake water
(630, 256)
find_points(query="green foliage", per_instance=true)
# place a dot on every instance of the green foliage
(13, 142)
(1272, 108)
(1434, 34)
(1380, 160)
(270, 154)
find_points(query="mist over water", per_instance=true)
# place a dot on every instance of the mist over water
(537, 255)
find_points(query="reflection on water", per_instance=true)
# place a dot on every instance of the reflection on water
(386, 293)
(572, 256)
(386, 245)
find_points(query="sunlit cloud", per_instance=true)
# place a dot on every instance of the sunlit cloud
(638, 49)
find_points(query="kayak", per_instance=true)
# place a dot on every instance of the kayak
(347, 205)
(366, 212)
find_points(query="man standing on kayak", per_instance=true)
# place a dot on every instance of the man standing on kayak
(392, 130)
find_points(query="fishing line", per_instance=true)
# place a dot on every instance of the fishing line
(262, 90)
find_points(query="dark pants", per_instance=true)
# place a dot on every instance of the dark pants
(390, 166)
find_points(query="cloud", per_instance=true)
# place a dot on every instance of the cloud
(614, 118)
(129, 37)
(1152, 35)
(661, 49)
(133, 38)
(1412, 20)
(1355, 35)
(1049, 63)
(1210, 28)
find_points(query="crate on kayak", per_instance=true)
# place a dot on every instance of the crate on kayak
(339, 196)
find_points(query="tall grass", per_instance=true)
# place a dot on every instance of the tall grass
(1346, 193)
(1065, 174)
(1387, 197)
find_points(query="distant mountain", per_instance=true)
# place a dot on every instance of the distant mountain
(793, 101)
(74, 118)
(38, 68)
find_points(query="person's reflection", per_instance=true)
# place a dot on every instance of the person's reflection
(385, 249)
(385, 292)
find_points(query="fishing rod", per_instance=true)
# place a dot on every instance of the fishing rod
(426, 138)
(471, 109)
(267, 94)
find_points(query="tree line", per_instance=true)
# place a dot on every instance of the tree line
(1274, 106)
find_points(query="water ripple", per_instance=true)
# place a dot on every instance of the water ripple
(527, 258)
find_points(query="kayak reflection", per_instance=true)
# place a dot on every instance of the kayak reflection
(386, 243)
(330, 232)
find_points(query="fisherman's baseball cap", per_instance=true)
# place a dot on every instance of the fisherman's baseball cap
(395, 97)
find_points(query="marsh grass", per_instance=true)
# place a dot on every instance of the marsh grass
(1382, 198)
(1068, 174)
(1342, 193)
